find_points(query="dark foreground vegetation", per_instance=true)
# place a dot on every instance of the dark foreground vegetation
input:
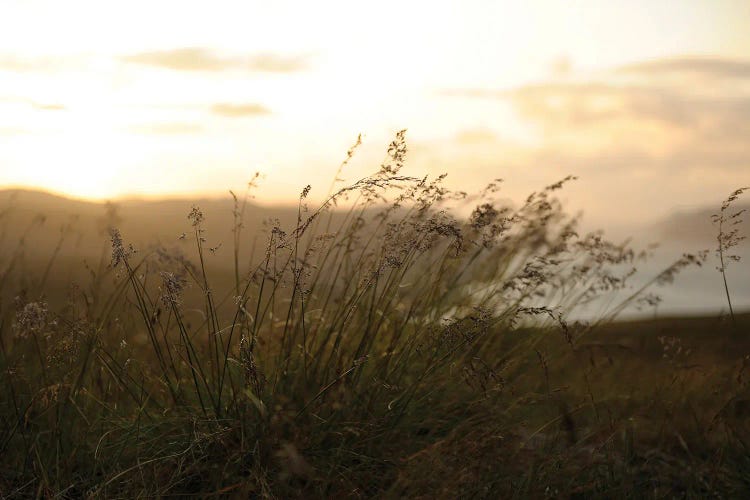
(378, 347)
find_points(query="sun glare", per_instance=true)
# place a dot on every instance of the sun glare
(81, 158)
(93, 110)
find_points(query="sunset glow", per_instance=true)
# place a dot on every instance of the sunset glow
(647, 101)
(374, 249)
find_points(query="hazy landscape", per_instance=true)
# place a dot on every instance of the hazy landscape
(491, 347)
(151, 224)
(389, 249)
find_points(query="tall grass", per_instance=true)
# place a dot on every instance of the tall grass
(355, 354)
(728, 236)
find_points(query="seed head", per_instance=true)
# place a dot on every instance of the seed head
(31, 319)
(172, 287)
(195, 216)
(119, 252)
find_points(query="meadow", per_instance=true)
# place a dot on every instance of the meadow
(376, 345)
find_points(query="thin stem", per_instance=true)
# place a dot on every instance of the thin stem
(724, 274)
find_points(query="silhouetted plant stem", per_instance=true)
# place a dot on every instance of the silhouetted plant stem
(724, 278)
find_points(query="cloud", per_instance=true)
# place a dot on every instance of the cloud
(170, 128)
(653, 137)
(34, 104)
(186, 59)
(591, 104)
(276, 64)
(666, 129)
(604, 99)
(239, 110)
(202, 59)
(699, 65)
(585, 103)
(36, 64)
(47, 107)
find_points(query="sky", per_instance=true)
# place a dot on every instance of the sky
(647, 102)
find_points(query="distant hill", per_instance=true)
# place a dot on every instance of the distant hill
(148, 222)
(67, 241)
(695, 226)
(40, 216)
(27, 242)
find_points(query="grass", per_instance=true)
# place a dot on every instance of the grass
(728, 238)
(391, 350)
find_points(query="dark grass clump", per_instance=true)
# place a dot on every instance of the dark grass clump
(381, 346)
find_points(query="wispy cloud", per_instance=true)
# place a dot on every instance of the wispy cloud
(648, 122)
(40, 106)
(697, 65)
(233, 110)
(170, 128)
(578, 104)
(276, 63)
(203, 59)
(586, 104)
(581, 106)
(47, 107)
(567, 104)
(18, 64)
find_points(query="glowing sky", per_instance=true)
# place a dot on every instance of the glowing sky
(648, 102)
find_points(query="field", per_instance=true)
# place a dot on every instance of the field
(377, 345)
